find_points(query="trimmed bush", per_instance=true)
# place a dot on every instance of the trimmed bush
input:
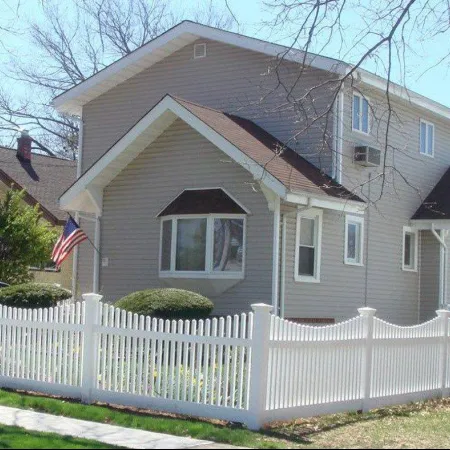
(33, 295)
(167, 304)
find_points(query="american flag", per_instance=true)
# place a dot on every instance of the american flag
(72, 236)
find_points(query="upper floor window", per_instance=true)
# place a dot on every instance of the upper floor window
(308, 245)
(354, 240)
(426, 138)
(360, 117)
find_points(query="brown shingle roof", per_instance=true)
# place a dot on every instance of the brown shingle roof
(437, 205)
(44, 179)
(291, 169)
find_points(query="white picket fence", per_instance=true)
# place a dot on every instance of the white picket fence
(251, 368)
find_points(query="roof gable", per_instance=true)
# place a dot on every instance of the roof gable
(172, 40)
(437, 205)
(277, 167)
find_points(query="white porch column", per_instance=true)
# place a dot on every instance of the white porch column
(96, 272)
(276, 256)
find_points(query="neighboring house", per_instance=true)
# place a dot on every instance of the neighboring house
(44, 179)
(189, 176)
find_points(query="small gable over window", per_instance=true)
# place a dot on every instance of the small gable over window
(203, 201)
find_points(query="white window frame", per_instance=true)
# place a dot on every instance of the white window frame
(317, 215)
(427, 124)
(415, 233)
(361, 98)
(355, 220)
(209, 270)
(196, 46)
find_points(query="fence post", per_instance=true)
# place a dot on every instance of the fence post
(90, 345)
(444, 316)
(368, 315)
(260, 365)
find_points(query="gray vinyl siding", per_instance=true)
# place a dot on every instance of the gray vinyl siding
(85, 267)
(341, 288)
(393, 291)
(429, 276)
(230, 79)
(130, 231)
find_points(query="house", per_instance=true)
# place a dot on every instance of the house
(44, 179)
(196, 172)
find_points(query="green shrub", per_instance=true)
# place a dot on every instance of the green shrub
(167, 304)
(33, 295)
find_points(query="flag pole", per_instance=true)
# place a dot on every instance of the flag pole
(87, 237)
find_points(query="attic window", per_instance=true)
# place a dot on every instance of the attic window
(199, 50)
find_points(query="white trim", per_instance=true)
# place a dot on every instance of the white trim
(356, 220)
(413, 232)
(75, 263)
(427, 124)
(208, 273)
(185, 33)
(317, 216)
(405, 94)
(247, 211)
(276, 257)
(96, 271)
(361, 97)
(172, 40)
(80, 146)
(165, 105)
(283, 266)
(427, 224)
(196, 46)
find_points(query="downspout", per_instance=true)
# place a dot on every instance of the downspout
(442, 266)
(276, 255)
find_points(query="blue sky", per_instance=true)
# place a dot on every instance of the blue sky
(252, 13)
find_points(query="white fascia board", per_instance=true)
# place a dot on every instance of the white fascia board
(440, 224)
(335, 204)
(72, 100)
(403, 93)
(90, 178)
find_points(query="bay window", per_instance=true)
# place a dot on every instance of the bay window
(203, 245)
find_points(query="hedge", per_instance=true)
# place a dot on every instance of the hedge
(167, 304)
(33, 295)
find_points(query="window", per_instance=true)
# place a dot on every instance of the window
(354, 240)
(208, 246)
(199, 51)
(308, 245)
(426, 138)
(410, 248)
(360, 116)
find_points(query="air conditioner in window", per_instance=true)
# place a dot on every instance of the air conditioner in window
(367, 156)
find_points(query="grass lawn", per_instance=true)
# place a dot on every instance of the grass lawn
(418, 425)
(14, 437)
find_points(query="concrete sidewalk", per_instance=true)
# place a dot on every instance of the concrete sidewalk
(109, 434)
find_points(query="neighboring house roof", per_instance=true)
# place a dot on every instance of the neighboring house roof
(278, 167)
(187, 32)
(437, 205)
(45, 178)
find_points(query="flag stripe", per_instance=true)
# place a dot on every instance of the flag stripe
(72, 235)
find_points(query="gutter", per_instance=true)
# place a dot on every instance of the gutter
(442, 266)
